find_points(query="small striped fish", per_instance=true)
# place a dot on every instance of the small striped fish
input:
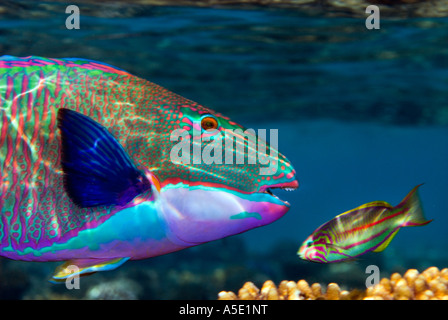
(370, 227)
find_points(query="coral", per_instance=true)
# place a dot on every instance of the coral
(431, 284)
(288, 290)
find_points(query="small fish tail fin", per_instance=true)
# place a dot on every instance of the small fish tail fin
(412, 205)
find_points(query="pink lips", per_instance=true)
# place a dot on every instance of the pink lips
(288, 186)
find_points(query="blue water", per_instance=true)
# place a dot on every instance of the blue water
(362, 114)
(343, 165)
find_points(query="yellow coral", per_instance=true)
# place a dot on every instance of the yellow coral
(286, 290)
(431, 284)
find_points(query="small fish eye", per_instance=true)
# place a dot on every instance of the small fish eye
(209, 123)
(309, 243)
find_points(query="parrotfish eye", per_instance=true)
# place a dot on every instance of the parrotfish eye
(309, 243)
(209, 123)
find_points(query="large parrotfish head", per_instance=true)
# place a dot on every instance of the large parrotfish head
(213, 177)
(216, 177)
(108, 153)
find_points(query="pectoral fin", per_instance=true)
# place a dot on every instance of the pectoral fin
(386, 243)
(97, 169)
(339, 250)
(80, 267)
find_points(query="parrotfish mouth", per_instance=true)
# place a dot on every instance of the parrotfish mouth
(287, 186)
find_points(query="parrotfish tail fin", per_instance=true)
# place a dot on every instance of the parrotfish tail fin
(80, 267)
(412, 205)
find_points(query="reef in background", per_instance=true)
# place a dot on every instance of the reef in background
(203, 271)
(431, 284)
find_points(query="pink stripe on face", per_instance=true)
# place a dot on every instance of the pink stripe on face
(281, 175)
(318, 256)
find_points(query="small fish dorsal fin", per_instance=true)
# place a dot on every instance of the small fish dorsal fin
(376, 204)
(97, 170)
(383, 204)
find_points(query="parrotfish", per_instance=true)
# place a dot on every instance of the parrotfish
(369, 227)
(88, 176)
